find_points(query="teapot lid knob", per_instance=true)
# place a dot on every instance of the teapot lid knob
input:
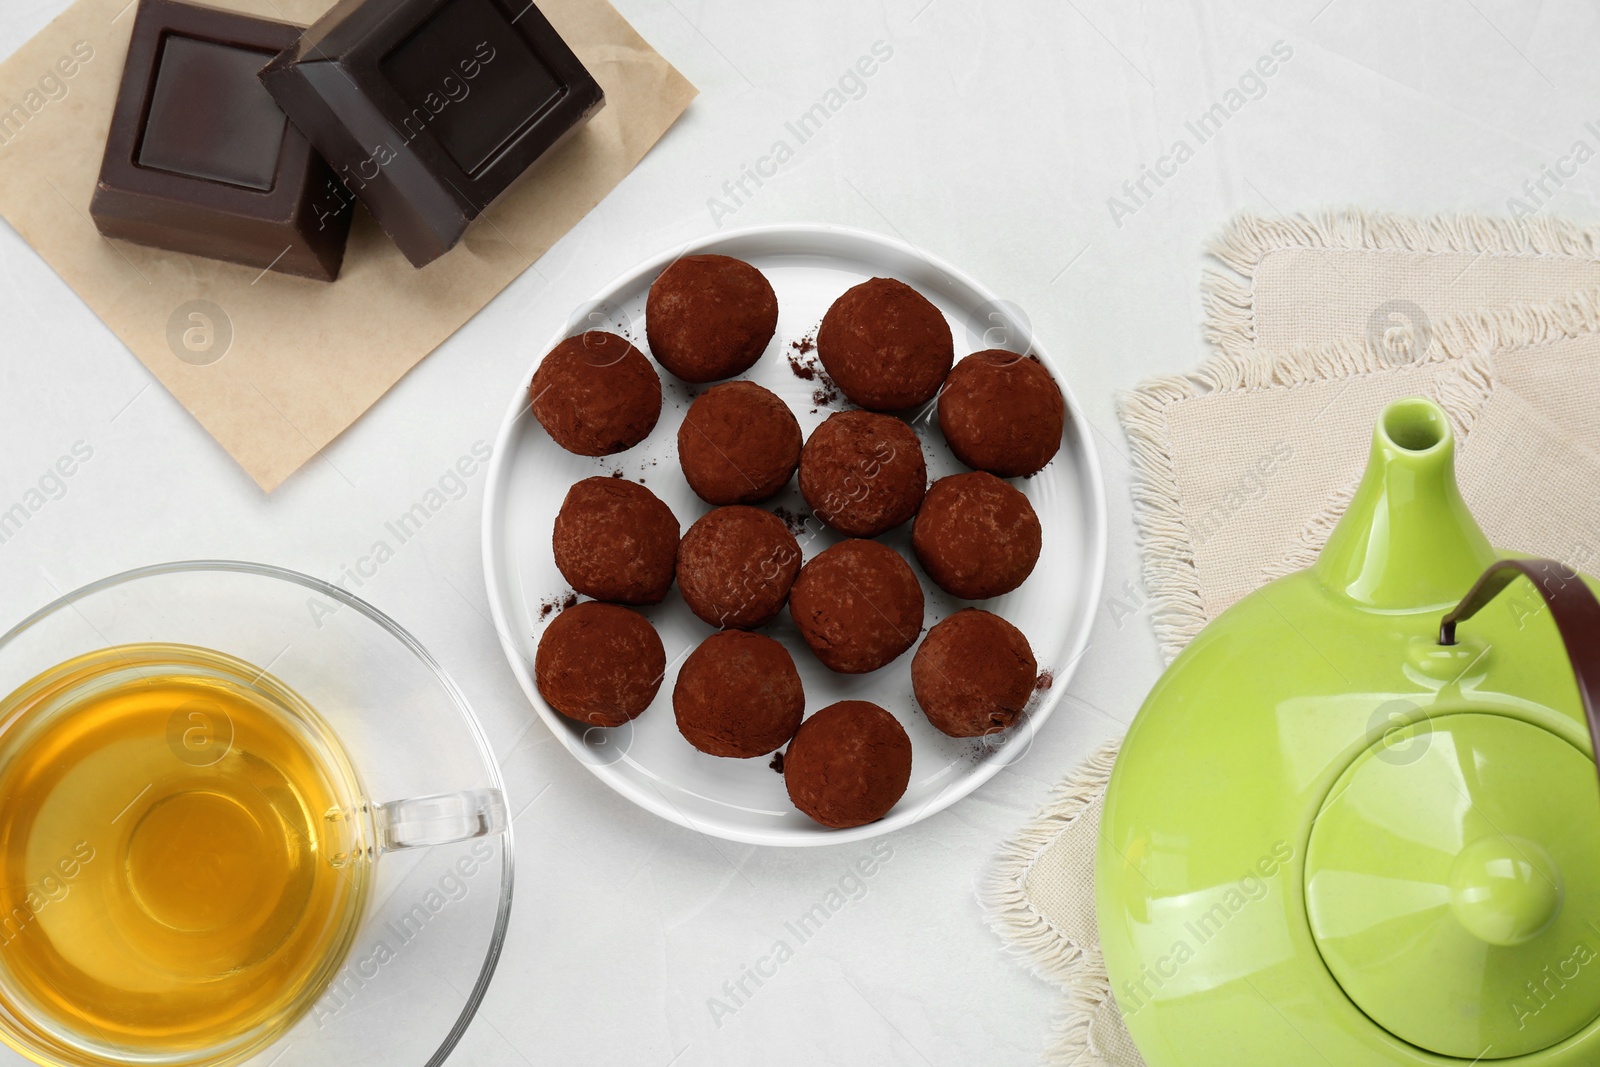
(1505, 890)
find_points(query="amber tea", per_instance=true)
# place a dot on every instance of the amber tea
(185, 862)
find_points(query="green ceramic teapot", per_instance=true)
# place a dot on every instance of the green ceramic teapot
(1357, 822)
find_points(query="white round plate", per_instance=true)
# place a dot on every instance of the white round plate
(647, 760)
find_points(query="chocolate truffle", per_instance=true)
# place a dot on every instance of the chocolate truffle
(735, 566)
(738, 444)
(738, 695)
(885, 346)
(596, 395)
(1002, 413)
(863, 473)
(615, 540)
(709, 317)
(973, 674)
(976, 536)
(599, 663)
(848, 764)
(858, 605)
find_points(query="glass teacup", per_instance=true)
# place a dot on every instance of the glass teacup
(195, 761)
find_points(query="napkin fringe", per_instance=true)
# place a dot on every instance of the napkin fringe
(1170, 574)
(1028, 934)
(1228, 294)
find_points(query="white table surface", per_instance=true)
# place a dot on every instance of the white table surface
(993, 137)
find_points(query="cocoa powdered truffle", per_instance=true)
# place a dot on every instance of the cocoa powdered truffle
(1002, 413)
(858, 605)
(735, 566)
(848, 764)
(615, 540)
(976, 536)
(973, 674)
(709, 317)
(863, 473)
(599, 663)
(738, 444)
(596, 395)
(885, 346)
(738, 695)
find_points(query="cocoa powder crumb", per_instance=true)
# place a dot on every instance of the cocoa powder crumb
(808, 368)
(1044, 681)
(795, 521)
(556, 603)
(777, 762)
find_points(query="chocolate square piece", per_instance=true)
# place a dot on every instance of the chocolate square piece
(430, 109)
(208, 120)
(201, 160)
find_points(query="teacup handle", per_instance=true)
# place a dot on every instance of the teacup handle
(442, 819)
(1573, 606)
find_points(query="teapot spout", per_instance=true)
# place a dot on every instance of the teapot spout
(1407, 541)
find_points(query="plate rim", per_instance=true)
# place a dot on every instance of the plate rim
(1095, 525)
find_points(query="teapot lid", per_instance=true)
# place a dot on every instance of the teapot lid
(1453, 886)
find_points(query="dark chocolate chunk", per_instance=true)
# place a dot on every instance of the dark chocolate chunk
(508, 90)
(210, 118)
(431, 109)
(200, 160)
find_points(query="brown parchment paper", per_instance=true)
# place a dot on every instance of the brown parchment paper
(303, 359)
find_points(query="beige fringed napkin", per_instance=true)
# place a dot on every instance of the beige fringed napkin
(1242, 469)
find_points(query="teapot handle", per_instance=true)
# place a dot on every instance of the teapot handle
(1573, 606)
